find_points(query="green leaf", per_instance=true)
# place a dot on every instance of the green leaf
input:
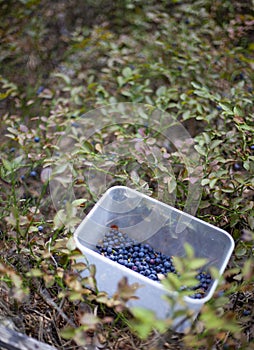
(65, 77)
(213, 182)
(35, 273)
(71, 244)
(204, 182)
(238, 111)
(172, 282)
(189, 251)
(196, 85)
(127, 72)
(197, 263)
(215, 143)
(120, 81)
(145, 321)
(171, 184)
(200, 150)
(7, 164)
(68, 332)
(59, 219)
(78, 202)
(161, 90)
(226, 107)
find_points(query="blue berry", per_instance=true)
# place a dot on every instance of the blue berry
(40, 228)
(252, 147)
(143, 259)
(237, 166)
(167, 265)
(33, 173)
(36, 139)
(75, 125)
(141, 254)
(246, 312)
(109, 250)
(198, 296)
(40, 89)
(153, 277)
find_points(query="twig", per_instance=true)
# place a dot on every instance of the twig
(46, 297)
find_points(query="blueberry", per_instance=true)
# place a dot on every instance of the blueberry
(141, 254)
(198, 296)
(153, 277)
(237, 166)
(147, 272)
(75, 125)
(13, 149)
(22, 177)
(246, 312)
(219, 108)
(36, 139)
(158, 269)
(148, 247)
(142, 258)
(39, 90)
(238, 77)
(33, 173)
(252, 147)
(167, 265)
(40, 228)
(109, 250)
(163, 271)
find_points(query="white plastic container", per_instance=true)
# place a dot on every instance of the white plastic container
(166, 229)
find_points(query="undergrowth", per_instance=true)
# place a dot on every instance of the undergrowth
(193, 60)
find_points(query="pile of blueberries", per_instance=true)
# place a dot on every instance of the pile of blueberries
(142, 258)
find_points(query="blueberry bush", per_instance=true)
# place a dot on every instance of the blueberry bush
(192, 59)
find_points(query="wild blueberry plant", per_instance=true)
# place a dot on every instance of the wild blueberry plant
(193, 60)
